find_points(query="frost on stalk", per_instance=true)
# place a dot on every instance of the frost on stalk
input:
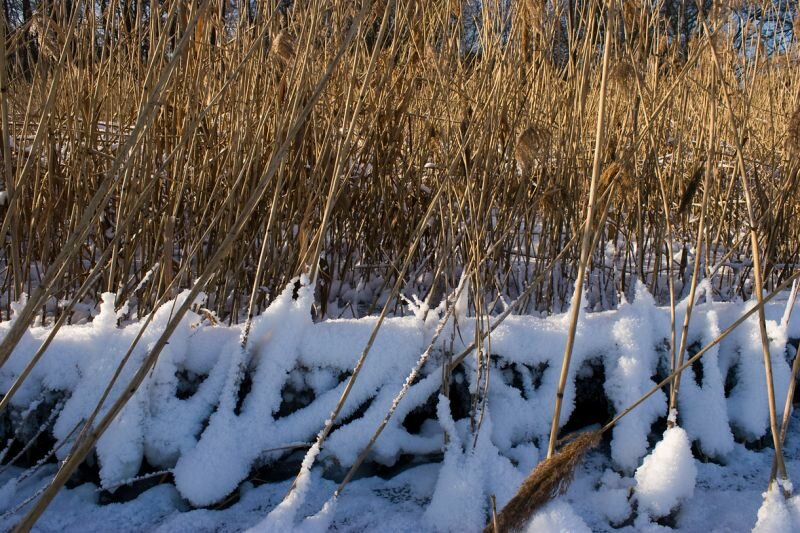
(667, 476)
(468, 476)
(282, 517)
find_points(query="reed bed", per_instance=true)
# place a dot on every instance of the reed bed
(393, 150)
(499, 115)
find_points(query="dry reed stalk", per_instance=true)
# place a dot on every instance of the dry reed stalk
(758, 285)
(587, 240)
(72, 246)
(793, 131)
(8, 177)
(123, 223)
(675, 388)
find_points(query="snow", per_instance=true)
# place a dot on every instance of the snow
(281, 388)
(777, 514)
(557, 517)
(667, 476)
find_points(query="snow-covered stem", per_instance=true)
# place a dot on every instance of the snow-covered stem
(135, 479)
(575, 304)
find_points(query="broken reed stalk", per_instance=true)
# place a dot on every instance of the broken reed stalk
(698, 254)
(575, 304)
(758, 285)
(552, 476)
(83, 446)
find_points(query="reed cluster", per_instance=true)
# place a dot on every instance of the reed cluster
(494, 108)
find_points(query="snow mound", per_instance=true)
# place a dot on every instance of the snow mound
(667, 476)
(557, 517)
(777, 514)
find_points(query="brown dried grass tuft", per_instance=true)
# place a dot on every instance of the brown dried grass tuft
(283, 48)
(531, 143)
(549, 479)
(691, 188)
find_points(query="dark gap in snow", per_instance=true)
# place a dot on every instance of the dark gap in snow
(188, 382)
(296, 394)
(591, 403)
(701, 456)
(426, 411)
(131, 491)
(537, 373)
(244, 389)
(730, 379)
(275, 471)
(662, 367)
(765, 441)
(19, 429)
(512, 375)
(87, 472)
(657, 431)
(355, 415)
(334, 471)
(697, 366)
(460, 398)
(671, 520)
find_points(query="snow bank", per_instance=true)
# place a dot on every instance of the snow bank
(211, 412)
